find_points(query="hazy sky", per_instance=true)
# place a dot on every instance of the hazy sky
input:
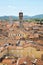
(13, 7)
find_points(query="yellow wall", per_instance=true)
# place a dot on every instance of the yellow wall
(28, 51)
(23, 52)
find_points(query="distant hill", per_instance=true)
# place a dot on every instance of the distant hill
(38, 16)
(7, 17)
(26, 17)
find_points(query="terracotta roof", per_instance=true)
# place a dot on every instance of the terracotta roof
(8, 61)
(39, 62)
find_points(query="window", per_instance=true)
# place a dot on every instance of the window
(38, 49)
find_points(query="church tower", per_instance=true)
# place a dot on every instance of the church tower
(21, 19)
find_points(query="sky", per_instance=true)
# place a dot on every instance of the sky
(28, 7)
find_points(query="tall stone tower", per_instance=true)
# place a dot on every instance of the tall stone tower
(21, 19)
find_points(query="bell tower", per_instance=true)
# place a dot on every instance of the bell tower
(21, 19)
